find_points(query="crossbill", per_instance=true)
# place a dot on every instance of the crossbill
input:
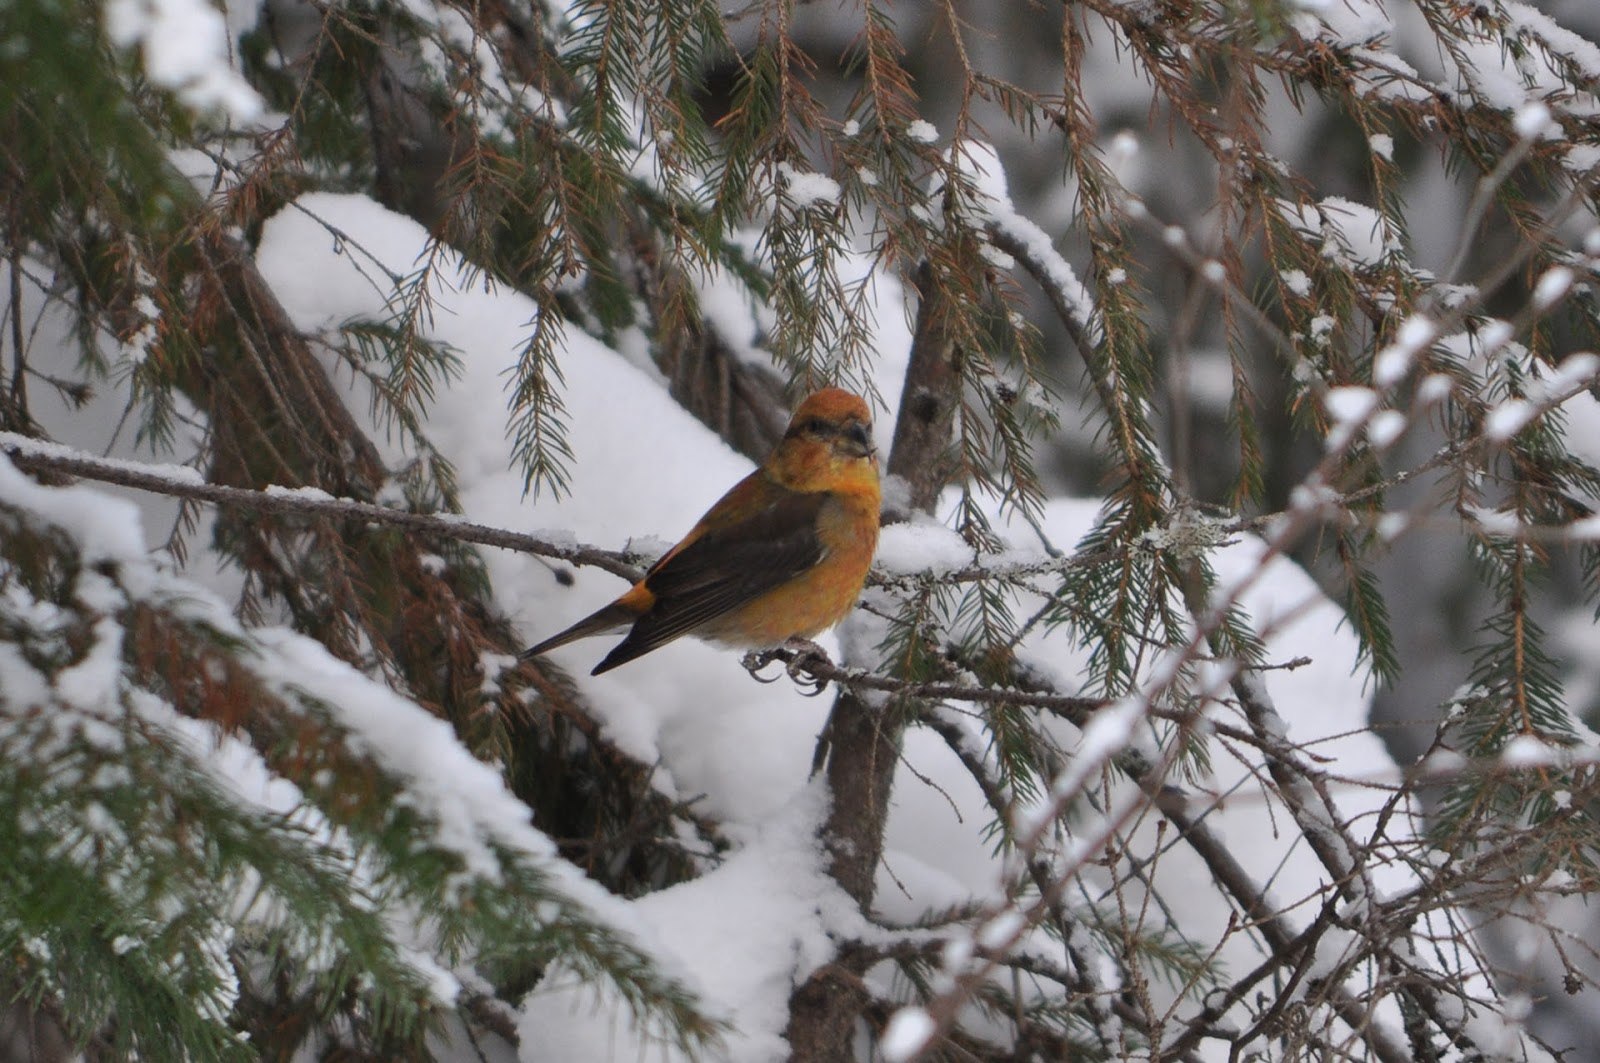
(781, 556)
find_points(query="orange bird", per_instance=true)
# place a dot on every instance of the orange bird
(781, 556)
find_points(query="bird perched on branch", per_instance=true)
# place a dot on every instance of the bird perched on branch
(781, 556)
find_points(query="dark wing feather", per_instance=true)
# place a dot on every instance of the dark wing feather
(723, 569)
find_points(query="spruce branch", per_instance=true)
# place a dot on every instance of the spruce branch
(181, 481)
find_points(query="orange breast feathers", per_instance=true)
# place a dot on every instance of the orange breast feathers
(782, 555)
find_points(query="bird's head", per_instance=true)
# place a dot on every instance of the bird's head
(829, 438)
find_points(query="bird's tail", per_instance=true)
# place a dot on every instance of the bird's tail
(610, 618)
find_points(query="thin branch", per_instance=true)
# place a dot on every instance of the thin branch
(181, 481)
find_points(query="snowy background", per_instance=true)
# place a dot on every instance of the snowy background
(765, 913)
(643, 471)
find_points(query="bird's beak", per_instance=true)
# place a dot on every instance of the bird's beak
(856, 441)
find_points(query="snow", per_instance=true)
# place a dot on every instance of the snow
(807, 189)
(1108, 733)
(324, 283)
(94, 680)
(1296, 281)
(1324, 707)
(1533, 120)
(1565, 386)
(462, 800)
(1576, 370)
(310, 494)
(104, 528)
(1508, 418)
(178, 475)
(1528, 751)
(1495, 334)
(1393, 362)
(923, 546)
(185, 46)
(748, 928)
(1383, 75)
(1553, 283)
(1521, 71)
(1580, 159)
(908, 1031)
(1351, 234)
(1348, 410)
(1498, 1033)
(464, 795)
(746, 931)
(1350, 403)
(980, 163)
(1385, 427)
(1390, 526)
(690, 709)
(1494, 521)
(1352, 22)
(997, 933)
(1122, 150)
(1208, 380)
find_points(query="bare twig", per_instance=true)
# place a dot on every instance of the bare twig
(183, 482)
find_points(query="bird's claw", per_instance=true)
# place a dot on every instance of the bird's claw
(755, 661)
(807, 656)
(804, 655)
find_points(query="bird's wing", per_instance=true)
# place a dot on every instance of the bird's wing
(730, 563)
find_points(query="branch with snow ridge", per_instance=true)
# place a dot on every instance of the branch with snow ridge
(181, 481)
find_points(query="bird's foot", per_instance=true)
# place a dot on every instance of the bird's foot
(756, 660)
(803, 667)
(801, 656)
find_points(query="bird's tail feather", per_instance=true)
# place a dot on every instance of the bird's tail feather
(611, 618)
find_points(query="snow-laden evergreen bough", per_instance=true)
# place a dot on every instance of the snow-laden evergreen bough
(1232, 371)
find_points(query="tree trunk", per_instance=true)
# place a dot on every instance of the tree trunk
(864, 740)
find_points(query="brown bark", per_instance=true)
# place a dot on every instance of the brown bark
(921, 452)
(864, 739)
(32, 1032)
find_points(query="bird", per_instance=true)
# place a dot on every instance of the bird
(781, 557)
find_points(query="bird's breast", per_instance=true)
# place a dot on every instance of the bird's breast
(822, 595)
